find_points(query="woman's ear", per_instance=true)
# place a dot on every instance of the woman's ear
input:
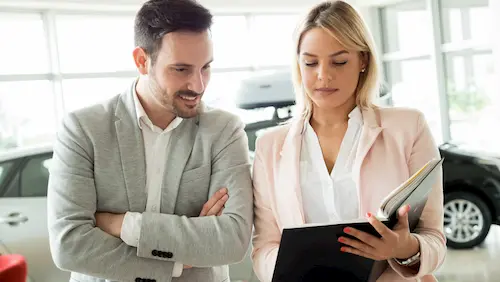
(364, 60)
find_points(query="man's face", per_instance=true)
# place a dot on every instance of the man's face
(178, 78)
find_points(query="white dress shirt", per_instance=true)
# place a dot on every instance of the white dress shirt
(156, 142)
(330, 197)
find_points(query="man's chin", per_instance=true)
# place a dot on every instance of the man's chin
(188, 112)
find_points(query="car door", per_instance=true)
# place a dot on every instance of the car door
(23, 217)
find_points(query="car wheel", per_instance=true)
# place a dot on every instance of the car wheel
(467, 220)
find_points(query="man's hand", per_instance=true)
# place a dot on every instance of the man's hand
(214, 206)
(110, 223)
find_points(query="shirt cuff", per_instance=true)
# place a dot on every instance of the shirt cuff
(131, 228)
(177, 271)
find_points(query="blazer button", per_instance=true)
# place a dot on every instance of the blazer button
(169, 255)
(154, 253)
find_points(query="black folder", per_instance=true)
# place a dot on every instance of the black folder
(311, 252)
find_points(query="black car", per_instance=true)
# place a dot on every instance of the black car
(471, 196)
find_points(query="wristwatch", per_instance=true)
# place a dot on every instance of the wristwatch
(410, 261)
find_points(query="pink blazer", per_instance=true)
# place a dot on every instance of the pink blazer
(394, 144)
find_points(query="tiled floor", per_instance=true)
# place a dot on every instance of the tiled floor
(481, 264)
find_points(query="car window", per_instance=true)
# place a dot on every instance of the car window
(4, 168)
(35, 176)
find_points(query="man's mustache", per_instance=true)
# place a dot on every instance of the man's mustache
(187, 93)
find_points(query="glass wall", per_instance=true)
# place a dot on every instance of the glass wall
(452, 37)
(60, 61)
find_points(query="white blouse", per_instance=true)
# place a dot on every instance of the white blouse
(330, 197)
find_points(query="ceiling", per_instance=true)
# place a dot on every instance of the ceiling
(215, 5)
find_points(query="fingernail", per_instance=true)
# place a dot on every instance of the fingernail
(343, 249)
(225, 197)
(368, 214)
(347, 230)
(223, 190)
(341, 240)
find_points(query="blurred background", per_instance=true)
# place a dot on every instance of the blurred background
(439, 56)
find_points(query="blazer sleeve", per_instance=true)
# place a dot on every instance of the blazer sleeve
(76, 244)
(429, 230)
(267, 235)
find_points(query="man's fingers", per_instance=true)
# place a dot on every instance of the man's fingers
(212, 201)
(221, 210)
(217, 208)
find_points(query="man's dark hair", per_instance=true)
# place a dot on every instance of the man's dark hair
(159, 17)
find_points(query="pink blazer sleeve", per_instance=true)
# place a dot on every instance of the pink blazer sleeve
(429, 231)
(267, 236)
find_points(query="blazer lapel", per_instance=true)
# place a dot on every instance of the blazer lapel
(178, 152)
(370, 133)
(288, 190)
(131, 147)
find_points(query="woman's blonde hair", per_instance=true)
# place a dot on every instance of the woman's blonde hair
(345, 24)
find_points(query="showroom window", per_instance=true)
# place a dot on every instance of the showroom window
(22, 44)
(231, 42)
(271, 39)
(27, 113)
(473, 102)
(82, 92)
(84, 57)
(459, 100)
(93, 44)
(408, 64)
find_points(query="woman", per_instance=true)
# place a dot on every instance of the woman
(342, 155)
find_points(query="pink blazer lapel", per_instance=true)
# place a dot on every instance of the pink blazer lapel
(370, 133)
(288, 192)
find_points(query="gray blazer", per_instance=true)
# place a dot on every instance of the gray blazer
(99, 165)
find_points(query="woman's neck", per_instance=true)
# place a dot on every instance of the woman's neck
(331, 118)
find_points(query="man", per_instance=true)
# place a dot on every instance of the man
(135, 187)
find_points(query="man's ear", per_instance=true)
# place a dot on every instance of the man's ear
(141, 60)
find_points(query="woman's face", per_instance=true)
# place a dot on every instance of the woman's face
(330, 73)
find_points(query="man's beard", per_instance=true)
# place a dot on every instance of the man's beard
(168, 102)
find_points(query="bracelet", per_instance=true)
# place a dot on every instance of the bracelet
(410, 261)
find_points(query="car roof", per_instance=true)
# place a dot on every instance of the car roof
(11, 154)
(266, 90)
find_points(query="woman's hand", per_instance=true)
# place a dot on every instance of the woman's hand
(397, 243)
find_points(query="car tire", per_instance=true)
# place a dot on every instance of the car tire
(467, 220)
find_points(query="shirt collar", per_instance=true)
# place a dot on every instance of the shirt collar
(354, 116)
(142, 117)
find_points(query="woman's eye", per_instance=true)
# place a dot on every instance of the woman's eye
(310, 64)
(340, 63)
